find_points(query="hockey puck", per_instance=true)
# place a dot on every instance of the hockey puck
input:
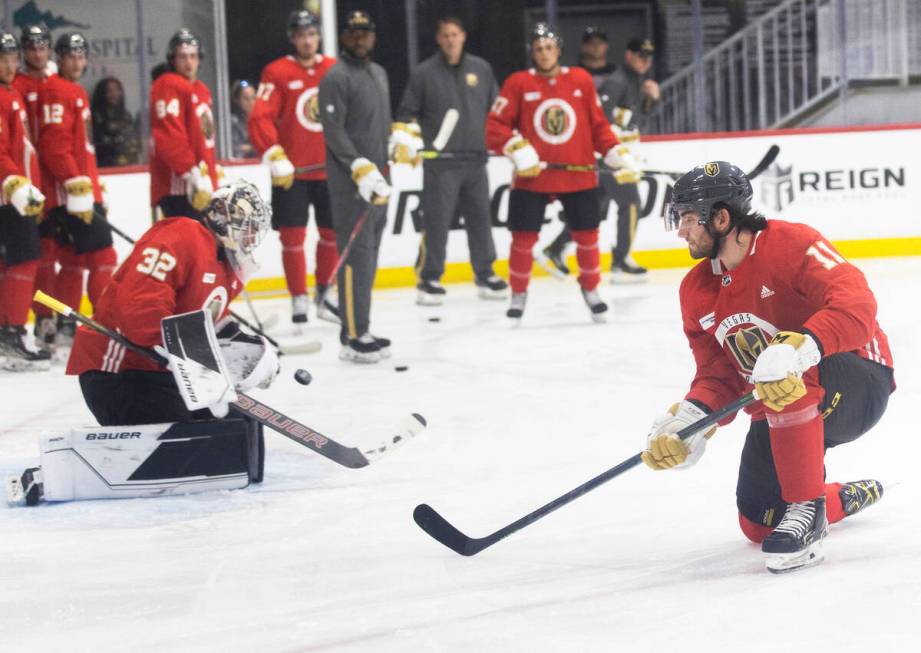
(303, 377)
(434, 319)
(401, 368)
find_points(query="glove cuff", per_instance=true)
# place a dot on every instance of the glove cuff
(274, 153)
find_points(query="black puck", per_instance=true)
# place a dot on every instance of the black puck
(401, 368)
(434, 319)
(303, 377)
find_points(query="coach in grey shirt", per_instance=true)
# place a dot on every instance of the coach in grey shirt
(455, 181)
(354, 101)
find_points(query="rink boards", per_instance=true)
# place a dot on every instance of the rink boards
(859, 186)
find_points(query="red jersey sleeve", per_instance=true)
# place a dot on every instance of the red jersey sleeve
(262, 131)
(502, 121)
(170, 106)
(56, 144)
(7, 116)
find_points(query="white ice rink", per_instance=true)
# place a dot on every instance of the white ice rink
(323, 558)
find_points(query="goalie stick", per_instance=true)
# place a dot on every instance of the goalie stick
(439, 528)
(266, 415)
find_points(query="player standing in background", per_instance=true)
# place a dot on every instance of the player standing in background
(593, 54)
(21, 204)
(36, 48)
(627, 97)
(545, 116)
(183, 170)
(453, 79)
(285, 129)
(74, 195)
(774, 306)
(355, 111)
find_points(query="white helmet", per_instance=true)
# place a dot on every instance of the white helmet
(239, 217)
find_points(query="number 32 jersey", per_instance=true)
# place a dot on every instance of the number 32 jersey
(792, 280)
(174, 268)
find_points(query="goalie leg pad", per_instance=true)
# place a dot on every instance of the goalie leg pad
(149, 460)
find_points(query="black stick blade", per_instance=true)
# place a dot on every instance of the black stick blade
(439, 528)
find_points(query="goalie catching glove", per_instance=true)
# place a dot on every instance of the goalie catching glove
(251, 360)
(665, 450)
(79, 192)
(523, 155)
(23, 196)
(778, 371)
(280, 167)
(372, 187)
(405, 143)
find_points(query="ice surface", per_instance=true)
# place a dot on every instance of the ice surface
(323, 558)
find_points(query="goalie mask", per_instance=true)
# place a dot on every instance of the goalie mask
(239, 218)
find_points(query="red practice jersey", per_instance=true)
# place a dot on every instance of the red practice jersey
(561, 117)
(287, 113)
(182, 133)
(792, 279)
(30, 88)
(17, 156)
(65, 144)
(174, 268)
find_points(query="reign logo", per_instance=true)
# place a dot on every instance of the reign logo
(781, 186)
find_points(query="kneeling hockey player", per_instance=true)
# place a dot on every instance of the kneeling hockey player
(774, 306)
(155, 438)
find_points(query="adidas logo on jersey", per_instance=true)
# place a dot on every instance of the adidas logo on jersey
(766, 292)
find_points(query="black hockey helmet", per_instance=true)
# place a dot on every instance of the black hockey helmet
(545, 31)
(8, 43)
(701, 189)
(184, 36)
(301, 19)
(33, 35)
(71, 43)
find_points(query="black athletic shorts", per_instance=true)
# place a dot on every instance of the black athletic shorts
(172, 206)
(290, 208)
(580, 209)
(81, 236)
(19, 241)
(856, 393)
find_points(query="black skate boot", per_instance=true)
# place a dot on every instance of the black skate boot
(796, 543)
(491, 287)
(431, 293)
(299, 304)
(45, 332)
(20, 355)
(626, 270)
(25, 490)
(857, 495)
(516, 308)
(383, 346)
(595, 304)
(363, 349)
(553, 261)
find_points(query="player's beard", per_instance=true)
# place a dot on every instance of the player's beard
(701, 249)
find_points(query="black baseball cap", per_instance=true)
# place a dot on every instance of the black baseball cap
(643, 46)
(359, 20)
(594, 32)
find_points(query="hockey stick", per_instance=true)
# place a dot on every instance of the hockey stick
(314, 167)
(448, 123)
(440, 529)
(245, 405)
(363, 216)
(294, 350)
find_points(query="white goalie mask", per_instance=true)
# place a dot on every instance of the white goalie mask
(239, 218)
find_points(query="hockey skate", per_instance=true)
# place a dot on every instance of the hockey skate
(431, 293)
(383, 346)
(491, 287)
(596, 305)
(796, 543)
(299, 304)
(364, 349)
(26, 489)
(626, 270)
(67, 329)
(857, 495)
(45, 332)
(327, 306)
(21, 355)
(553, 262)
(516, 308)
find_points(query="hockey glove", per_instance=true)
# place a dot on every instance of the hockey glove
(25, 198)
(778, 371)
(198, 186)
(523, 155)
(665, 450)
(281, 169)
(79, 192)
(626, 167)
(405, 143)
(251, 360)
(372, 187)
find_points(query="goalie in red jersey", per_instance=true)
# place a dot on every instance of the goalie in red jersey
(545, 119)
(285, 129)
(776, 308)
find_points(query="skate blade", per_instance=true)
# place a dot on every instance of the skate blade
(13, 364)
(778, 563)
(549, 267)
(621, 279)
(328, 316)
(350, 356)
(486, 293)
(425, 299)
(599, 318)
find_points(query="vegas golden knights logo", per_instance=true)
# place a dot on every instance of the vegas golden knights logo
(746, 345)
(207, 125)
(555, 121)
(712, 169)
(313, 109)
